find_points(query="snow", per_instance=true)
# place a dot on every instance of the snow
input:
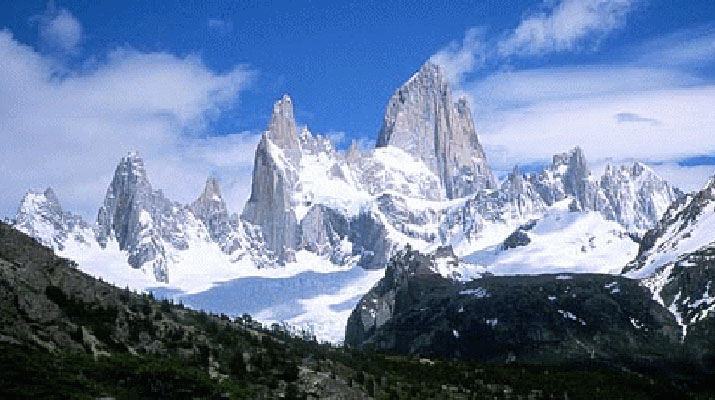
(675, 242)
(571, 316)
(145, 218)
(311, 293)
(317, 185)
(562, 242)
(477, 292)
(613, 287)
(636, 324)
(318, 300)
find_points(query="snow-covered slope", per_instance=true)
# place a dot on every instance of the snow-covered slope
(561, 241)
(677, 258)
(40, 215)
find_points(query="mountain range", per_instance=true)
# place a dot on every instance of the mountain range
(426, 185)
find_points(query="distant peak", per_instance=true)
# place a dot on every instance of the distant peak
(428, 72)
(131, 166)
(283, 107)
(574, 155)
(282, 130)
(212, 188)
(430, 67)
(51, 196)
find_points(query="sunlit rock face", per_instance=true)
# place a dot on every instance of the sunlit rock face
(422, 119)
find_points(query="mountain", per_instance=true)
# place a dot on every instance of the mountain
(423, 120)
(274, 178)
(339, 216)
(40, 215)
(675, 260)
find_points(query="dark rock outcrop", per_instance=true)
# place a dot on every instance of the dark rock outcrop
(544, 319)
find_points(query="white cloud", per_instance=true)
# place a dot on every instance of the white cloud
(568, 25)
(59, 29)
(70, 132)
(457, 59)
(537, 131)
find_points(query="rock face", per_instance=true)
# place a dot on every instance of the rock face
(274, 177)
(635, 196)
(423, 120)
(211, 209)
(546, 319)
(324, 231)
(142, 221)
(282, 130)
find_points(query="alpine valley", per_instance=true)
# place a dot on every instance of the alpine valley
(415, 247)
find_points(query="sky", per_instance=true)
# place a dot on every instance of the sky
(190, 85)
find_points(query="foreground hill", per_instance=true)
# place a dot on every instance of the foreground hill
(564, 319)
(64, 334)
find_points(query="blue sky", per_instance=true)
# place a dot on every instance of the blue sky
(190, 84)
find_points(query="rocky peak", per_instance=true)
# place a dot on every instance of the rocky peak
(275, 166)
(282, 129)
(515, 182)
(127, 193)
(40, 215)
(52, 201)
(36, 207)
(131, 171)
(353, 154)
(422, 119)
(130, 214)
(635, 195)
(211, 209)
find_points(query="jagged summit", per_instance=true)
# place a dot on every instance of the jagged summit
(41, 216)
(282, 129)
(52, 200)
(211, 208)
(212, 190)
(422, 119)
(278, 154)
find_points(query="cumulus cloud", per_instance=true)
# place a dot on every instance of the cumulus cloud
(69, 132)
(59, 29)
(566, 26)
